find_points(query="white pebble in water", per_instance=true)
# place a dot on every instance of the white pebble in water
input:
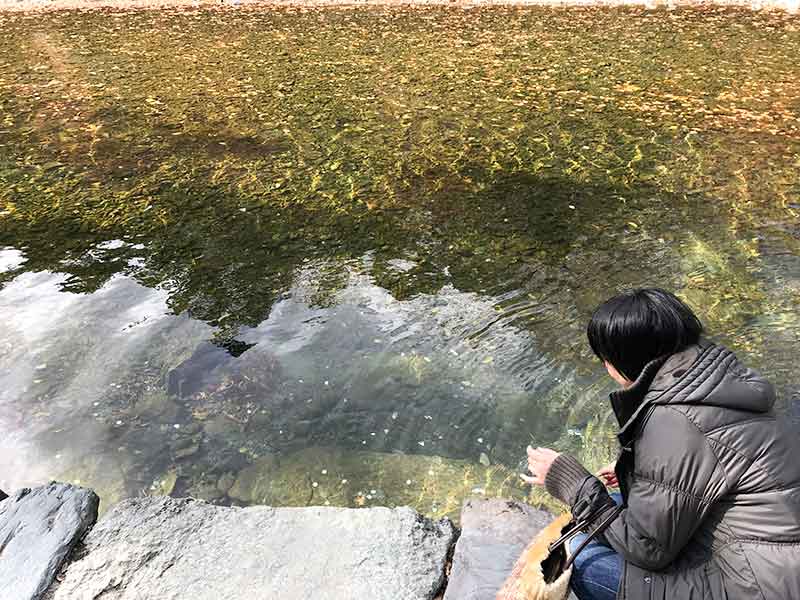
(177, 426)
(421, 443)
(408, 482)
(314, 484)
(344, 480)
(324, 471)
(480, 440)
(119, 422)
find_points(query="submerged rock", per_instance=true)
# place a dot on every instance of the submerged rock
(433, 485)
(106, 474)
(176, 549)
(38, 529)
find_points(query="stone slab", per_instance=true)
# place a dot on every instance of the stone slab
(38, 529)
(494, 532)
(189, 550)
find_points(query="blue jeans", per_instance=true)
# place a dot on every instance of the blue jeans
(597, 569)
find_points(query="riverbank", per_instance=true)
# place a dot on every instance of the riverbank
(791, 6)
(186, 548)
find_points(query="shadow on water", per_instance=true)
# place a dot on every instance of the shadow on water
(423, 345)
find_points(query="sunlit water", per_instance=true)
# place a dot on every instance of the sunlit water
(347, 257)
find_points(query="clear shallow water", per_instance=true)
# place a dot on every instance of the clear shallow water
(318, 266)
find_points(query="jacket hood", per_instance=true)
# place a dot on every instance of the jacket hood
(704, 374)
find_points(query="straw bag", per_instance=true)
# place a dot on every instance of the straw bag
(544, 569)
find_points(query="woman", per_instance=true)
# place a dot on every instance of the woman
(709, 475)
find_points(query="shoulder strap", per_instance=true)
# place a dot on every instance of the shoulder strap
(576, 529)
(598, 530)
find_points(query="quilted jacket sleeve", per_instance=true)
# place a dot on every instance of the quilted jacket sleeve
(677, 478)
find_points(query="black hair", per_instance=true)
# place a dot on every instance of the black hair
(637, 326)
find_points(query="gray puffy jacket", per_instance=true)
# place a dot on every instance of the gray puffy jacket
(710, 478)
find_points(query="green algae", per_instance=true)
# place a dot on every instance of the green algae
(467, 131)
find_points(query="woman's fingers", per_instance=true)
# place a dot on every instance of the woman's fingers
(532, 479)
(539, 462)
(608, 475)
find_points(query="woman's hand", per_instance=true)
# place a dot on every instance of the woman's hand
(539, 462)
(608, 476)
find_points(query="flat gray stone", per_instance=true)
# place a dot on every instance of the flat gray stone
(187, 549)
(494, 532)
(38, 529)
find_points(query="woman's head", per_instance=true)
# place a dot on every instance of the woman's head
(629, 330)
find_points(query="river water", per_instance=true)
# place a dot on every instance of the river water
(347, 256)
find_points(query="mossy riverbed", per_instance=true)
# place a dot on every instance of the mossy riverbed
(235, 242)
